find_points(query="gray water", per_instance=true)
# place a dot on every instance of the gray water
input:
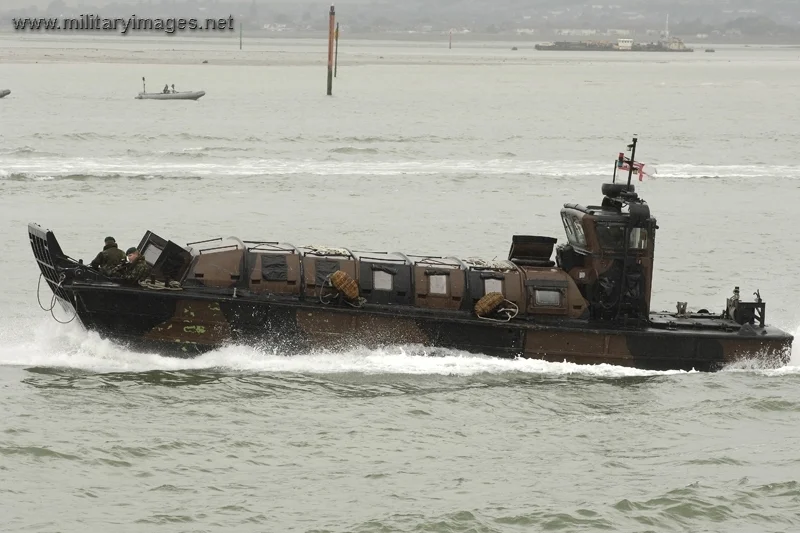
(422, 152)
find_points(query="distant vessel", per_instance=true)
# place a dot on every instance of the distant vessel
(168, 95)
(710, 50)
(180, 95)
(4, 92)
(622, 45)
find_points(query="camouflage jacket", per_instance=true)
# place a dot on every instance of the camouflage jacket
(136, 271)
(108, 258)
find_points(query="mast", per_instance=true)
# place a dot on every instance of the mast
(632, 147)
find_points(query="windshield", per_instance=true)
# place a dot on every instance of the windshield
(612, 236)
(572, 225)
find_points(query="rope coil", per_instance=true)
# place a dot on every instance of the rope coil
(53, 299)
(159, 285)
(491, 303)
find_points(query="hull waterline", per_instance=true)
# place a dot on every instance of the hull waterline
(187, 95)
(179, 324)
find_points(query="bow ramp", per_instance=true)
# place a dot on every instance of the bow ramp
(50, 259)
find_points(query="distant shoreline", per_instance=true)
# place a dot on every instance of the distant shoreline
(309, 49)
(400, 37)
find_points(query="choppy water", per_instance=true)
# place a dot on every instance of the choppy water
(446, 158)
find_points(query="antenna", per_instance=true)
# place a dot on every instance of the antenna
(632, 147)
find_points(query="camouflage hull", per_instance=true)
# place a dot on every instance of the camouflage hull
(189, 320)
(178, 323)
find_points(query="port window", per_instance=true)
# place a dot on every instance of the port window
(492, 285)
(437, 284)
(547, 298)
(382, 281)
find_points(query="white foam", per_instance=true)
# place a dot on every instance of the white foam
(34, 168)
(755, 365)
(70, 346)
(795, 359)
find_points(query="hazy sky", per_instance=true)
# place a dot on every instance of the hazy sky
(20, 4)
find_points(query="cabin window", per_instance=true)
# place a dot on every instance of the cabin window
(381, 281)
(151, 253)
(437, 284)
(638, 238)
(611, 236)
(578, 229)
(568, 228)
(492, 285)
(547, 298)
(572, 225)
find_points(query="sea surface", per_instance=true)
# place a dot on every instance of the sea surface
(423, 150)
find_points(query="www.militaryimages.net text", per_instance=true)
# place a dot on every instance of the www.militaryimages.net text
(123, 25)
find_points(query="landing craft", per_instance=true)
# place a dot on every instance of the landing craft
(591, 305)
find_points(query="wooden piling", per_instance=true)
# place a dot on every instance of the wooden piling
(330, 50)
(240, 36)
(336, 53)
(451, 41)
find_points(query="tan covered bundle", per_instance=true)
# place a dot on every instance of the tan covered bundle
(488, 303)
(345, 284)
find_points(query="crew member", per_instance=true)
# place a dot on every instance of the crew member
(136, 269)
(109, 257)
